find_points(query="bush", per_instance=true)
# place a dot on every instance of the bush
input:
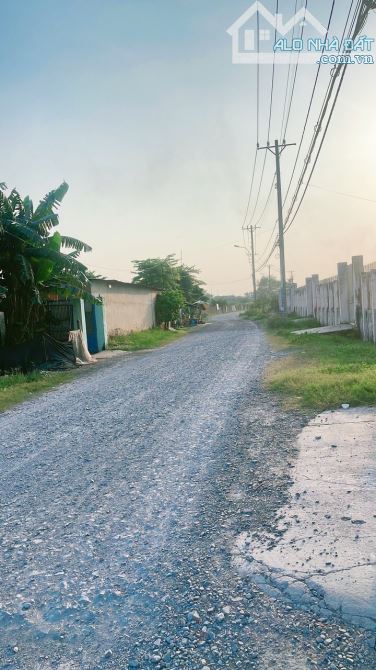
(168, 306)
(262, 309)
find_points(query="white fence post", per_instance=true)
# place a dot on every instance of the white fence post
(343, 290)
(357, 266)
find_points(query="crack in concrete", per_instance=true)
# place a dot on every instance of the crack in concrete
(341, 423)
(361, 486)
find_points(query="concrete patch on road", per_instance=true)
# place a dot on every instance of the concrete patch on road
(326, 330)
(323, 555)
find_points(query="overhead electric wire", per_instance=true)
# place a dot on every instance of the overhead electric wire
(266, 203)
(359, 20)
(264, 263)
(310, 105)
(250, 189)
(324, 107)
(346, 195)
(270, 120)
(288, 225)
(295, 75)
(288, 77)
(285, 125)
(258, 78)
(257, 123)
(325, 103)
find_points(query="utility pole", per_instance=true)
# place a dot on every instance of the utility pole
(276, 151)
(269, 287)
(253, 229)
(251, 258)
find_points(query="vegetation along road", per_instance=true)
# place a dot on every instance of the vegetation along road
(123, 494)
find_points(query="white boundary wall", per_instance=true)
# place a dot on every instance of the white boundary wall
(348, 297)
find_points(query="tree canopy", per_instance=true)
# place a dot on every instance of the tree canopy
(168, 305)
(166, 274)
(267, 286)
(161, 273)
(178, 284)
(32, 263)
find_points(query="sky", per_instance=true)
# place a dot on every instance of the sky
(138, 106)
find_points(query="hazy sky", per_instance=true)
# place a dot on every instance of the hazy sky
(136, 103)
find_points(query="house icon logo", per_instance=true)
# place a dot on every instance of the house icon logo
(253, 36)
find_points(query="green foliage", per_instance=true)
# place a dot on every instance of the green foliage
(262, 308)
(178, 284)
(165, 274)
(267, 287)
(323, 371)
(32, 265)
(18, 387)
(283, 325)
(326, 371)
(160, 273)
(168, 305)
(223, 300)
(146, 339)
(190, 285)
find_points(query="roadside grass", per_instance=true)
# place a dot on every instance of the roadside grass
(145, 339)
(16, 388)
(320, 371)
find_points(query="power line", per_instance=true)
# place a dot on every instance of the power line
(266, 203)
(317, 129)
(258, 79)
(251, 188)
(269, 123)
(295, 75)
(310, 104)
(257, 120)
(319, 151)
(278, 149)
(346, 195)
(273, 74)
(284, 132)
(359, 21)
(288, 76)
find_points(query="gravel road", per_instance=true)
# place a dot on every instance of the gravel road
(122, 495)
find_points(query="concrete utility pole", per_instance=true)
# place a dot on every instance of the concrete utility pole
(251, 259)
(252, 229)
(277, 150)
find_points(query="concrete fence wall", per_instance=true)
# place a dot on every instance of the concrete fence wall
(348, 297)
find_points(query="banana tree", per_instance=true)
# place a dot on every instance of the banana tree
(32, 262)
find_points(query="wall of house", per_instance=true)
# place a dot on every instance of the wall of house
(126, 308)
(347, 297)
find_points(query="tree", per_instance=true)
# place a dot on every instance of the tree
(32, 264)
(161, 273)
(168, 305)
(267, 287)
(190, 285)
(165, 274)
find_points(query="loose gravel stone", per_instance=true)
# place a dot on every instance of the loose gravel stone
(122, 495)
